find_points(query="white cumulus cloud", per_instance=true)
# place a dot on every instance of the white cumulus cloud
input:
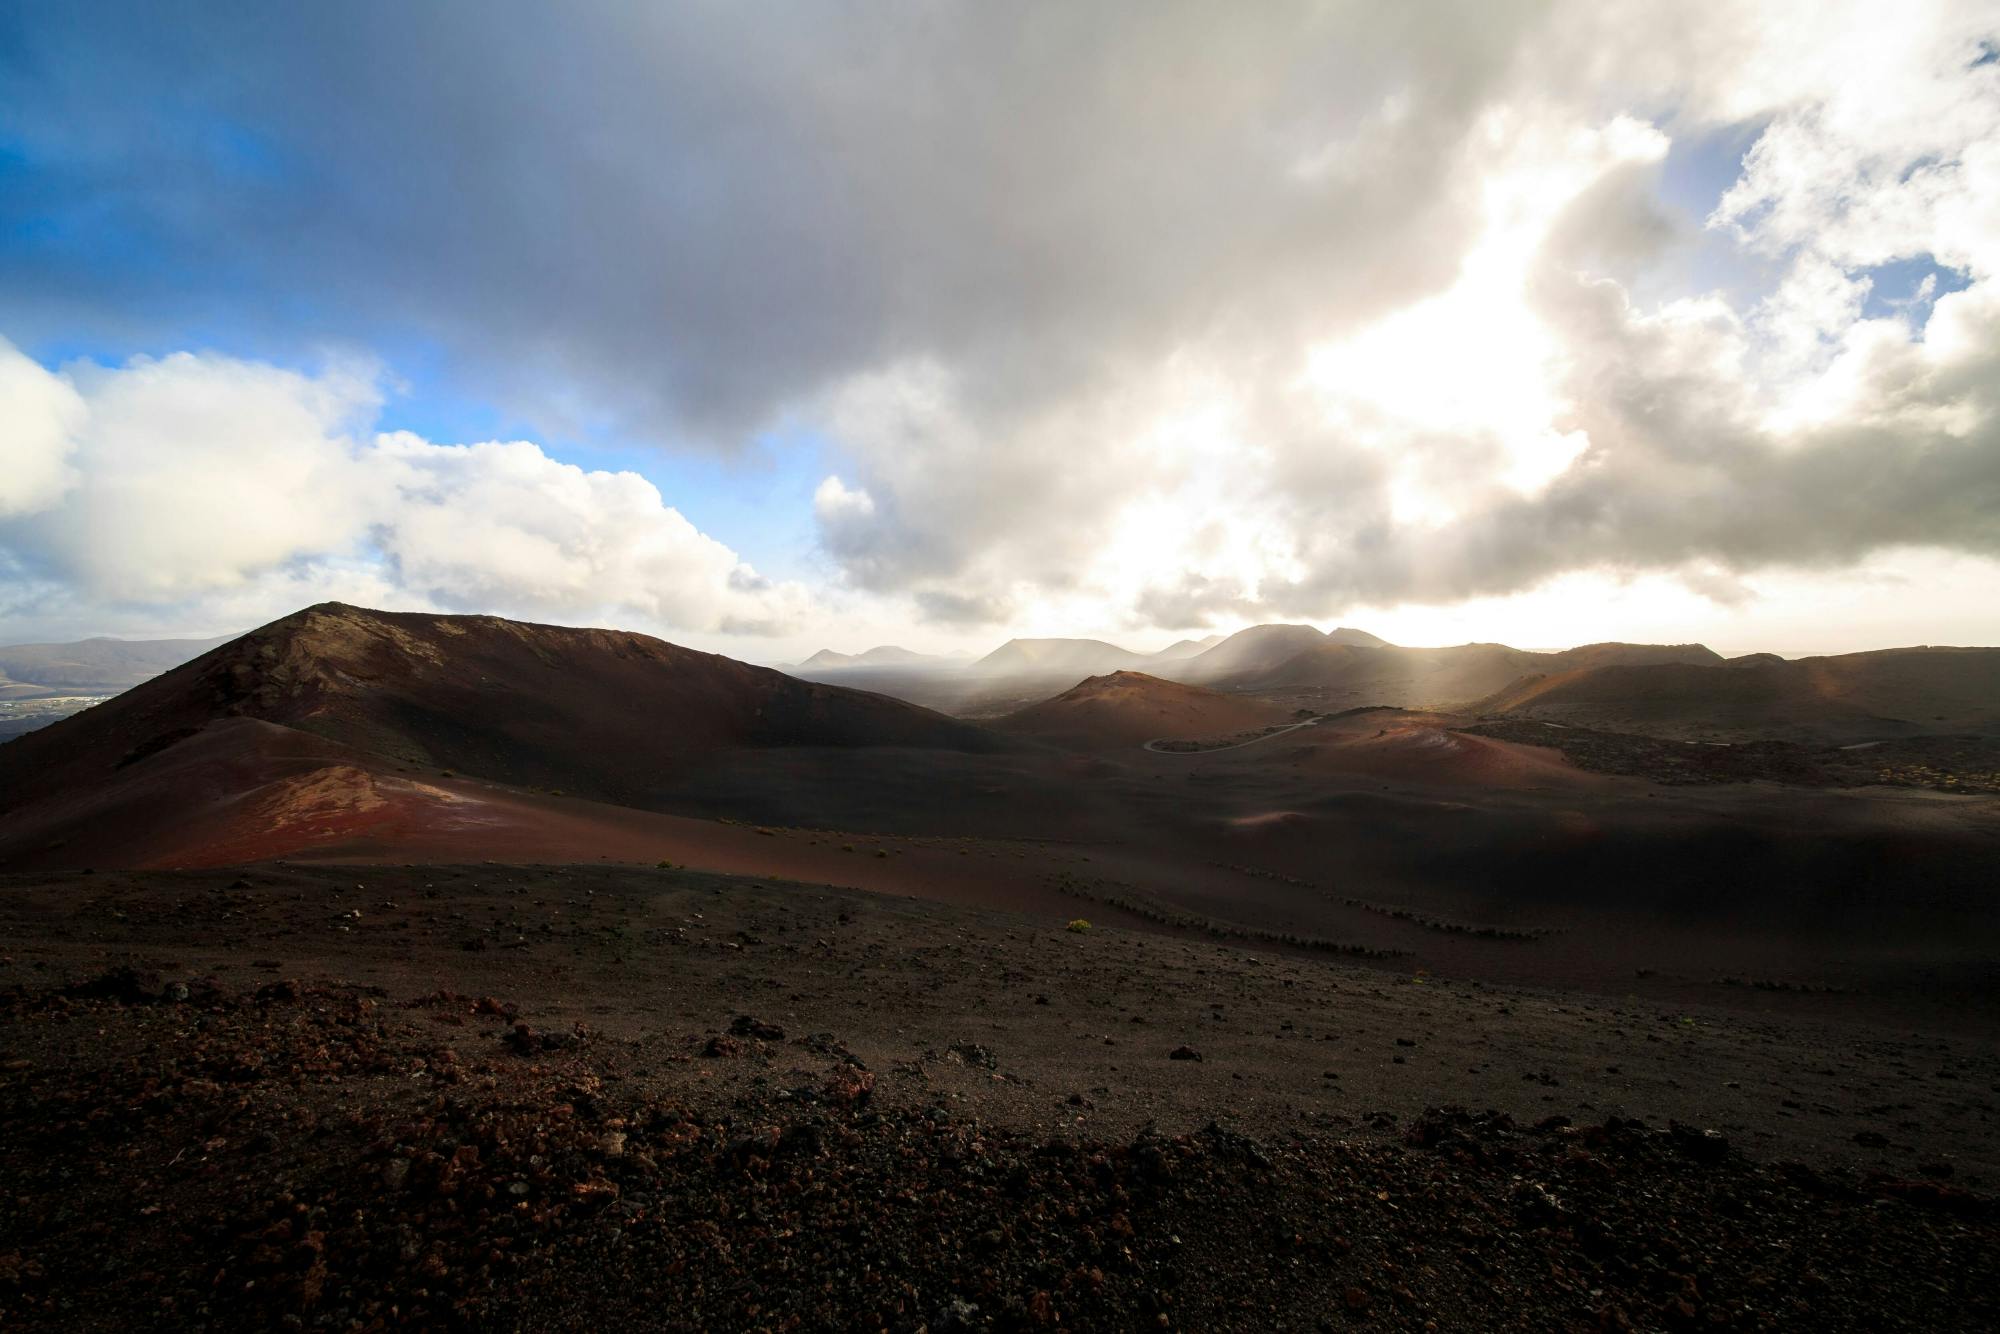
(37, 433)
(232, 487)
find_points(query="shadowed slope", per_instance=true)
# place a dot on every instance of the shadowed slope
(1949, 687)
(1888, 693)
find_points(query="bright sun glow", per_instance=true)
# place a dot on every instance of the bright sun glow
(1475, 360)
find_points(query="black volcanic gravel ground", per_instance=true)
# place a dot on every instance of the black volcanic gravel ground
(286, 1097)
(189, 1156)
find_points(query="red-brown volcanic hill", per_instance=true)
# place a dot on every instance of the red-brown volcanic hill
(1886, 693)
(599, 713)
(1418, 747)
(1131, 708)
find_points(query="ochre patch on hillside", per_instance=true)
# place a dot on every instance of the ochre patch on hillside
(1131, 708)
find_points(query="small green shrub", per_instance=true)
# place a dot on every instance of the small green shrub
(1078, 925)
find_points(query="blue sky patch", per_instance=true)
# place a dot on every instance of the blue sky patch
(1898, 288)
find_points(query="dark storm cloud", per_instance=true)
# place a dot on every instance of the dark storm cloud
(977, 246)
(692, 216)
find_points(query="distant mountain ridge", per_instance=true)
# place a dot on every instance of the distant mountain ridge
(1091, 657)
(883, 655)
(1185, 648)
(1036, 657)
(1209, 658)
(100, 662)
(1672, 689)
(1669, 689)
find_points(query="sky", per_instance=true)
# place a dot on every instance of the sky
(773, 328)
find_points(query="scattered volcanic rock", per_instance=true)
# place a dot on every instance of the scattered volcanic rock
(316, 1163)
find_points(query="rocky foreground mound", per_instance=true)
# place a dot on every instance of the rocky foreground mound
(184, 1156)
